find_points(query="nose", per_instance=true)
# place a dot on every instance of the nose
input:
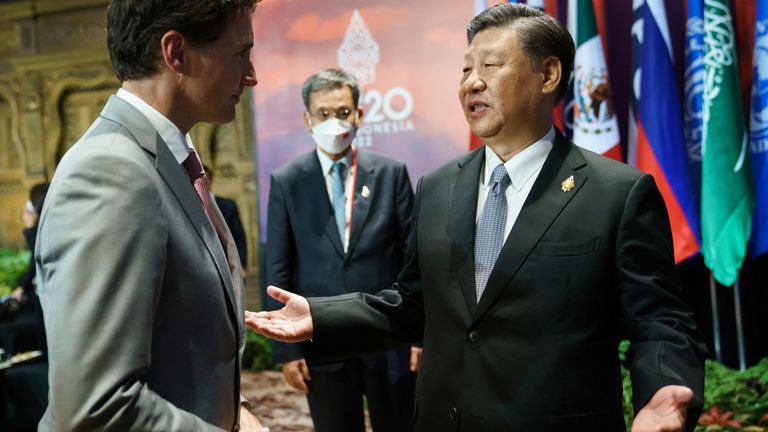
(474, 83)
(249, 77)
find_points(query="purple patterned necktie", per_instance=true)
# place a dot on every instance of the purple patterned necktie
(200, 182)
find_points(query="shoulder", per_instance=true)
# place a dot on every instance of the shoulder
(451, 169)
(297, 167)
(379, 160)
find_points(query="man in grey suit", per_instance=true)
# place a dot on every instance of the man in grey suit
(530, 259)
(140, 279)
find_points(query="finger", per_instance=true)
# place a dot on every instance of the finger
(414, 361)
(278, 294)
(298, 381)
(682, 395)
(304, 369)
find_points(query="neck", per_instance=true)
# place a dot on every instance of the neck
(508, 146)
(164, 98)
(335, 157)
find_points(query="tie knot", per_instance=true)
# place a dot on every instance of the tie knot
(338, 168)
(500, 177)
(193, 166)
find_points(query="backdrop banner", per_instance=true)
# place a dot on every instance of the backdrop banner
(407, 55)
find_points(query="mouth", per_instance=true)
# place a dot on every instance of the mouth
(477, 108)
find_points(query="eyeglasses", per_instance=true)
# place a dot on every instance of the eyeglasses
(342, 113)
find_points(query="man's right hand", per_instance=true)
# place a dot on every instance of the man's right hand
(292, 323)
(296, 373)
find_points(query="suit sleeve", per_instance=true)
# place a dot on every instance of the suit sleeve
(101, 256)
(666, 347)
(354, 324)
(281, 256)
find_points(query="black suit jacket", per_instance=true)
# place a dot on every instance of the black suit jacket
(231, 215)
(580, 270)
(305, 254)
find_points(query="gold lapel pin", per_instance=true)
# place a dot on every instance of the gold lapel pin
(365, 192)
(568, 184)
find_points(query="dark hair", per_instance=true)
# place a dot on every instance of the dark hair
(540, 35)
(328, 79)
(37, 196)
(135, 27)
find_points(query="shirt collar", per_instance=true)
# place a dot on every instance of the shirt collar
(522, 166)
(326, 162)
(178, 143)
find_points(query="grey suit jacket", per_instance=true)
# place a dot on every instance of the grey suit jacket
(142, 306)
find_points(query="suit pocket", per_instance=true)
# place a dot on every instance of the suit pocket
(569, 248)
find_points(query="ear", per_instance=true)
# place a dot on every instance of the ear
(306, 122)
(551, 73)
(173, 48)
(359, 118)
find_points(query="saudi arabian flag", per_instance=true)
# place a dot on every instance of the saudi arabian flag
(726, 198)
(595, 126)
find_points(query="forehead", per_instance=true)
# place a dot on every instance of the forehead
(493, 41)
(329, 98)
(239, 30)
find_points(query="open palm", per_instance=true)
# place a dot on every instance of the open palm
(292, 323)
(665, 412)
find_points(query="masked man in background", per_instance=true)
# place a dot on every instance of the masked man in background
(337, 223)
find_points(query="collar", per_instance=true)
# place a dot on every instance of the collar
(178, 143)
(326, 163)
(522, 166)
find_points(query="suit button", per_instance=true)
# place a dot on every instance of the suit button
(453, 413)
(474, 336)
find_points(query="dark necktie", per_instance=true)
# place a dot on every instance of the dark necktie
(339, 199)
(489, 234)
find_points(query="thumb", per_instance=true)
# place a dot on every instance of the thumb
(278, 294)
(682, 395)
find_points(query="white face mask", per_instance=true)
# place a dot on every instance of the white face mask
(333, 135)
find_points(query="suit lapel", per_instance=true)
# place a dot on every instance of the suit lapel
(178, 182)
(365, 177)
(461, 223)
(317, 198)
(544, 203)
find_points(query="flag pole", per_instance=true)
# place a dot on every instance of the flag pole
(739, 325)
(715, 318)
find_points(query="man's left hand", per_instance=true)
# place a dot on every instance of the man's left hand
(665, 412)
(249, 422)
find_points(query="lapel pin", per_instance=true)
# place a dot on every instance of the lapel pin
(568, 184)
(365, 192)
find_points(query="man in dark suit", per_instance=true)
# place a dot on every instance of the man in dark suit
(138, 275)
(337, 222)
(530, 260)
(231, 215)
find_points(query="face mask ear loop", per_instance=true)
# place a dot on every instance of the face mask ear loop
(309, 119)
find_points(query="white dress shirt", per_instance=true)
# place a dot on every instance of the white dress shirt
(523, 168)
(326, 164)
(178, 143)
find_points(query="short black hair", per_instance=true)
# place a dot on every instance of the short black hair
(327, 79)
(540, 35)
(135, 27)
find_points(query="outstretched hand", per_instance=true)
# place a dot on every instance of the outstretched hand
(292, 323)
(665, 412)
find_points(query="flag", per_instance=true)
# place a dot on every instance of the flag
(758, 132)
(658, 146)
(595, 126)
(694, 91)
(726, 198)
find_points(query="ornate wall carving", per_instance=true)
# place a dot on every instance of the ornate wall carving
(55, 78)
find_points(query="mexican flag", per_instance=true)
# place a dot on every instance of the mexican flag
(595, 126)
